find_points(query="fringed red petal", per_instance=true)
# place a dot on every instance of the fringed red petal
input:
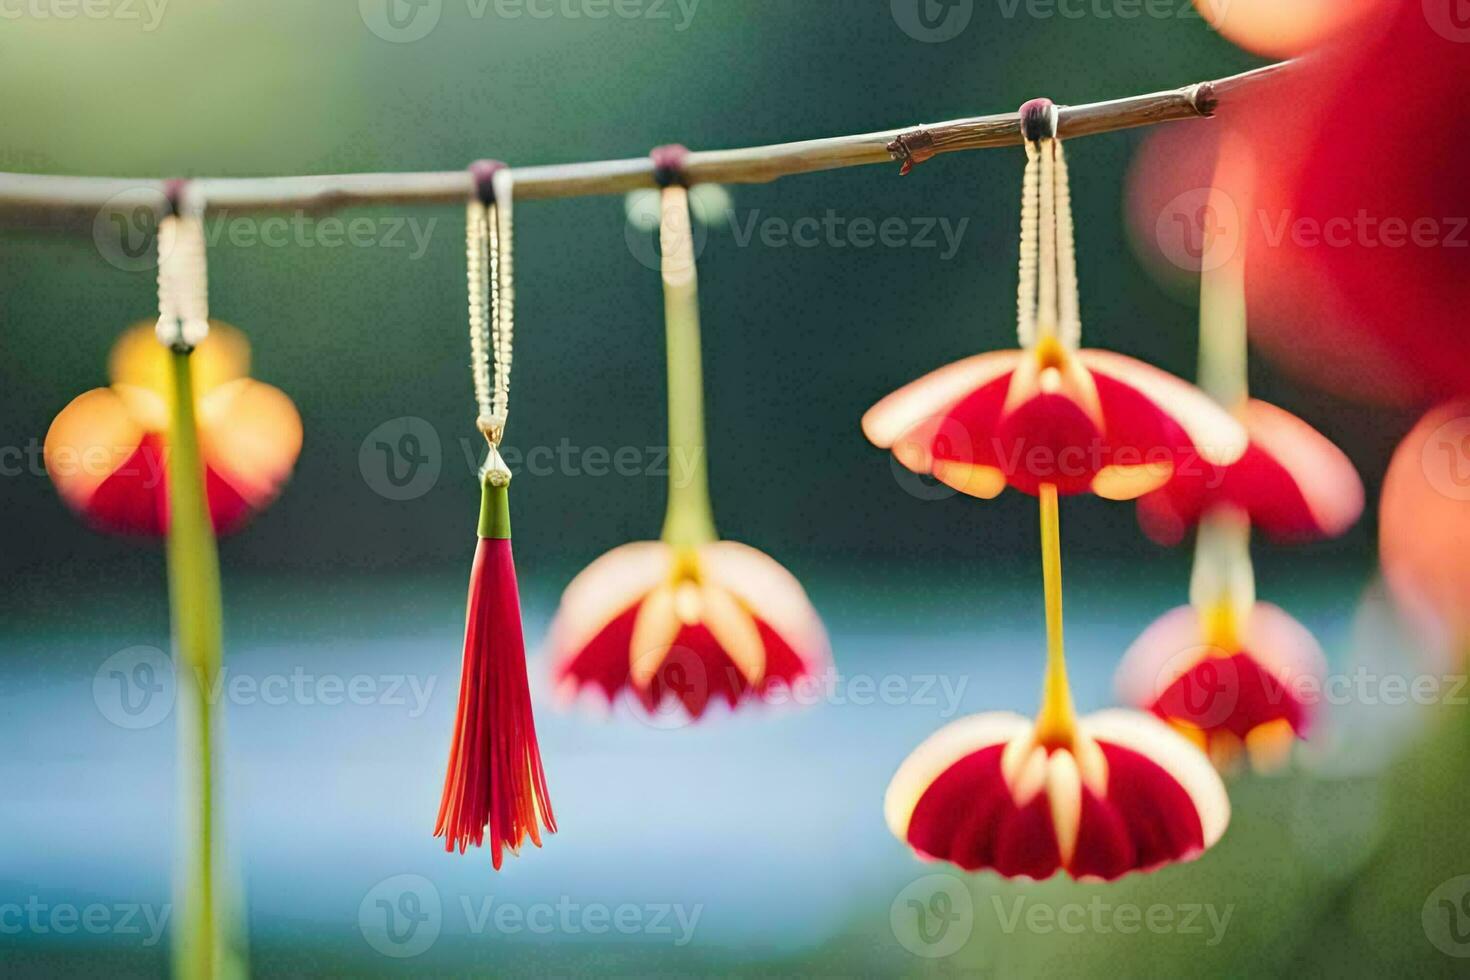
(495, 779)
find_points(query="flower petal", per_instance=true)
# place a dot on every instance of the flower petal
(1158, 744)
(601, 593)
(88, 440)
(735, 632)
(946, 747)
(250, 435)
(654, 632)
(1213, 433)
(1321, 475)
(138, 358)
(932, 394)
(771, 594)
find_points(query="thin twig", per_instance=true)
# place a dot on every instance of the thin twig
(36, 199)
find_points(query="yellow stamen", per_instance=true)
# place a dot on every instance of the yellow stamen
(1056, 723)
(1221, 625)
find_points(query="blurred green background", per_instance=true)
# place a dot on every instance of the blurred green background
(798, 342)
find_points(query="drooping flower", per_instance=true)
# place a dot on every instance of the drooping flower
(1292, 483)
(105, 452)
(1050, 413)
(689, 625)
(1227, 670)
(1424, 529)
(689, 619)
(1234, 683)
(1096, 797)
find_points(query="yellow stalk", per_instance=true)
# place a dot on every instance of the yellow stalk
(1056, 723)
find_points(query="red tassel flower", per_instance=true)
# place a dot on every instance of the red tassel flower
(495, 782)
(105, 451)
(1049, 413)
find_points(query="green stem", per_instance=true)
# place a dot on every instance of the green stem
(1223, 584)
(195, 607)
(689, 521)
(1222, 332)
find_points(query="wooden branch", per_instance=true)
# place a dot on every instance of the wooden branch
(40, 200)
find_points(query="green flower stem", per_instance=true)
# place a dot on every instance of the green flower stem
(689, 521)
(1222, 333)
(1223, 578)
(195, 606)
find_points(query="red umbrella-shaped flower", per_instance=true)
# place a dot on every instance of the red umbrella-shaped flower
(688, 620)
(1232, 681)
(105, 452)
(1291, 482)
(1096, 797)
(1049, 412)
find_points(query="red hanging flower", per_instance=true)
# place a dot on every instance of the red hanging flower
(1291, 482)
(685, 626)
(1049, 413)
(1124, 793)
(105, 451)
(1083, 420)
(1232, 688)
